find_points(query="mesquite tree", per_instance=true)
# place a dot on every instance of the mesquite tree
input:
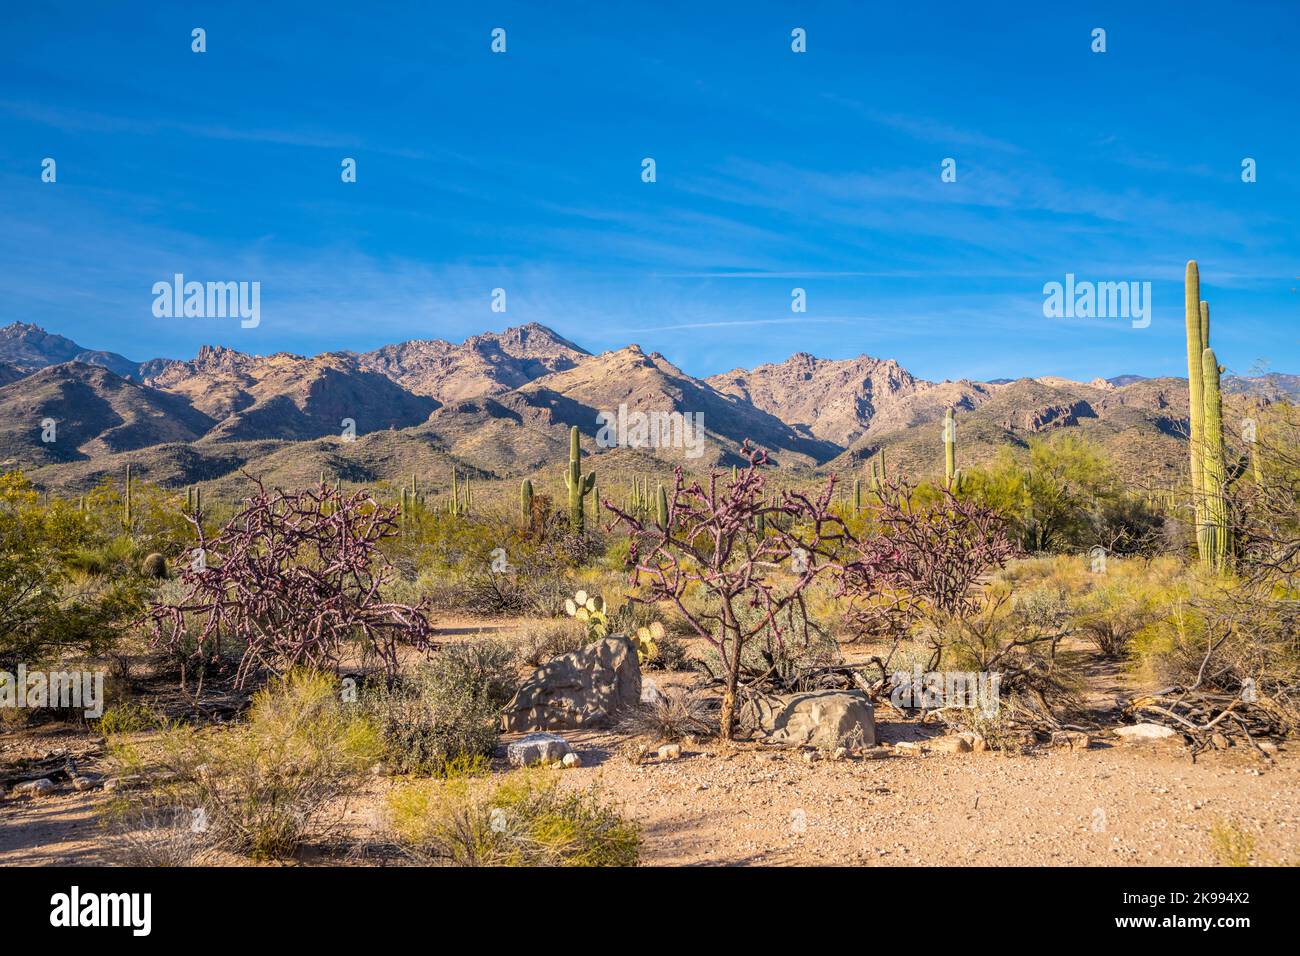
(753, 556)
(294, 577)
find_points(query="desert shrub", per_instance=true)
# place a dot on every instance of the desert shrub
(158, 521)
(264, 786)
(1223, 636)
(541, 642)
(1015, 636)
(524, 820)
(773, 661)
(102, 556)
(671, 715)
(130, 717)
(447, 710)
(47, 609)
(672, 654)
(160, 838)
(487, 666)
(1231, 845)
(1113, 613)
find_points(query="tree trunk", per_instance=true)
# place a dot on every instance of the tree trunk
(727, 721)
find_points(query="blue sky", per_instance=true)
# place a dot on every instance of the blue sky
(775, 170)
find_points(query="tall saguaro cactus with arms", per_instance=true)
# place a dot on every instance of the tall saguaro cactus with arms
(579, 485)
(1205, 414)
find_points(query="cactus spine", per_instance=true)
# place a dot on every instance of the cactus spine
(579, 485)
(1213, 469)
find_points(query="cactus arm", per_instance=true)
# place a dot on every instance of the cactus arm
(1214, 476)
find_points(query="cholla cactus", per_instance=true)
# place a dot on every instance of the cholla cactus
(590, 610)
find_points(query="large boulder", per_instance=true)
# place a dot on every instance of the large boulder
(585, 688)
(827, 719)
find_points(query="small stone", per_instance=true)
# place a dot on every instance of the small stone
(82, 784)
(1139, 733)
(1071, 739)
(1268, 747)
(670, 752)
(950, 745)
(570, 760)
(35, 788)
(1220, 741)
(908, 746)
(841, 753)
(537, 748)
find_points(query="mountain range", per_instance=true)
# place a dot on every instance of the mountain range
(499, 405)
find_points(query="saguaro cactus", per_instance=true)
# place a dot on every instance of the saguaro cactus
(857, 495)
(526, 501)
(949, 448)
(1198, 331)
(126, 502)
(579, 485)
(661, 508)
(1214, 536)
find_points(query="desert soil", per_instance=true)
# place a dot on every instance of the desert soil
(741, 804)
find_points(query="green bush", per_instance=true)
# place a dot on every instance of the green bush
(265, 786)
(449, 709)
(524, 820)
(131, 717)
(47, 609)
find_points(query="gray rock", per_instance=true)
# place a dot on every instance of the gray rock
(570, 760)
(1140, 733)
(1071, 739)
(537, 748)
(670, 751)
(585, 688)
(826, 719)
(35, 788)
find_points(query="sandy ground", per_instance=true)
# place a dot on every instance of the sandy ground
(1123, 804)
(736, 804)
